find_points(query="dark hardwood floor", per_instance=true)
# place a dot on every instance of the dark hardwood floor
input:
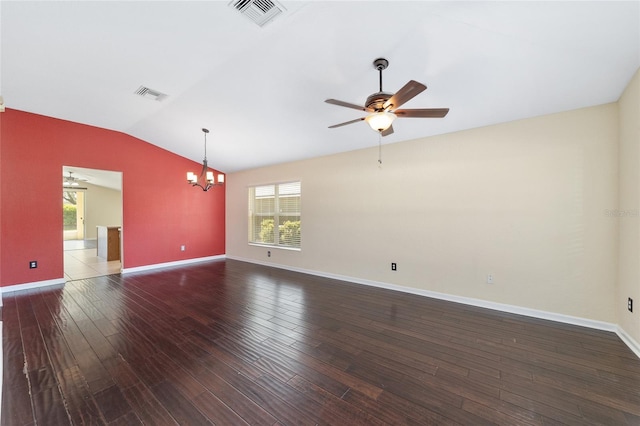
(233, 343)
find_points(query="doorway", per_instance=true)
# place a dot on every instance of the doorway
(92, 198)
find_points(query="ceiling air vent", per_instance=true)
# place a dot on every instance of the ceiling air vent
(154, 95)
(259, 11)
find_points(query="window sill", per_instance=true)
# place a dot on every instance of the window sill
(276, 247)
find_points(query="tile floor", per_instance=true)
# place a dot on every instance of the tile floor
(85, 263)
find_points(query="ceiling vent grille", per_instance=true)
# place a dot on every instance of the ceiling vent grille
(145, 92)
(259, 11)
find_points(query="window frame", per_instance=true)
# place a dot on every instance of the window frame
(252, 230)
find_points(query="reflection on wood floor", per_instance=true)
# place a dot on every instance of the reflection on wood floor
(81, 261)
(228, 342)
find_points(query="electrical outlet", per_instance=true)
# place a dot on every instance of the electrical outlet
(182, 248)
(490, 279)
(630, 304)
(394, 267)
(33, 264)
(268, 253)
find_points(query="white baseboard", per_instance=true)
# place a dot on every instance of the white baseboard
(535, 313)
(628, 340)
(57, 281)
(171, 264)
(33, 285)
(1, 371)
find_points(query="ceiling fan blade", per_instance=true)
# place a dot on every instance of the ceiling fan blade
(422, 113)
(348, 105)
(388, 131)
(408, 91)
(346, 122)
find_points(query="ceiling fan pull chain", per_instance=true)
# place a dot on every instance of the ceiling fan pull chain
(379, 149)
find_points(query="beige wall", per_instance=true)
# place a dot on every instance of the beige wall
(524, 201)
(629, 213)
(104, 208)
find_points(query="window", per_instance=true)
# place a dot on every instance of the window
(274, 214)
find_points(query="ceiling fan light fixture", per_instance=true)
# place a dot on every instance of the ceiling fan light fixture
(71, 180)
(380, 121)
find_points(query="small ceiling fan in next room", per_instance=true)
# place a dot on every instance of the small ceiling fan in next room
(71, 181)
(383, 106)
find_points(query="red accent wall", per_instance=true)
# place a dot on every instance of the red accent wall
(160, 211)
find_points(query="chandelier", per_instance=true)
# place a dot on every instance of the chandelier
(206, 179)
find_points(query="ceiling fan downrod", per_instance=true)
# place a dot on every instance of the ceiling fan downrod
(380, 64)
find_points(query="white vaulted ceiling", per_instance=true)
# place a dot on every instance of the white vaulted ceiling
(261, 90)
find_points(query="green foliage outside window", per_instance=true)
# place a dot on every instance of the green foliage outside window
(69, 216)
(289, 232)
(266, 231)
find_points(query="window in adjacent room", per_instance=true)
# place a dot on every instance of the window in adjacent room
(274, 215)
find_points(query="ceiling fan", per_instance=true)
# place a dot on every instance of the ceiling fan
(384, 106)
(71, 180)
